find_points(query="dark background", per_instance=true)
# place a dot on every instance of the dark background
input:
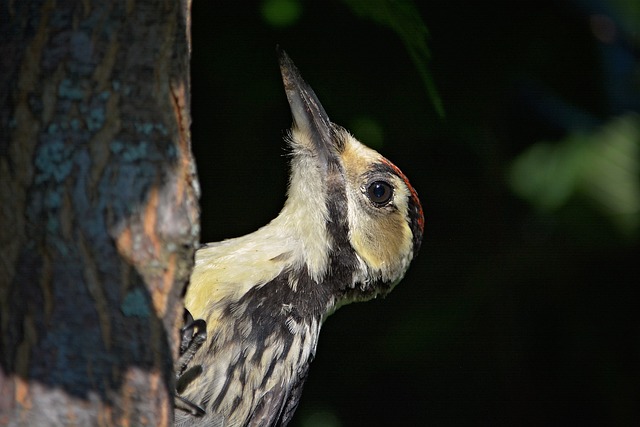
(521, 308)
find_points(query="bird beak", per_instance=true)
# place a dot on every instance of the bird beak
(308, 114)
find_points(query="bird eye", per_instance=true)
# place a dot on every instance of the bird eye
(379, 192)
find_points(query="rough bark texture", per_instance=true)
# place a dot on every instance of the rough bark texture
(98, 209)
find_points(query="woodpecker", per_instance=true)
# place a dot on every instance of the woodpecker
(349, 229)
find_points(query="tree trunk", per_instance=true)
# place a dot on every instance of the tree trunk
(98, 209)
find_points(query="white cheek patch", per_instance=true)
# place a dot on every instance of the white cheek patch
(381, 237)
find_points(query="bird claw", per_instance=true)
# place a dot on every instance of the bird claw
(192, 335)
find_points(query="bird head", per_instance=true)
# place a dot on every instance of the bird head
(359, 220)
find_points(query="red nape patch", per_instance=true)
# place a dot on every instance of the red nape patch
(414, 194)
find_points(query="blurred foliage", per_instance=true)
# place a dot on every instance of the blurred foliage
(403, 18)
(281, 13)
(628, 15)
(602, 165)
(319, 418)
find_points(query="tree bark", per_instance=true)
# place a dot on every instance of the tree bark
(98, 209)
